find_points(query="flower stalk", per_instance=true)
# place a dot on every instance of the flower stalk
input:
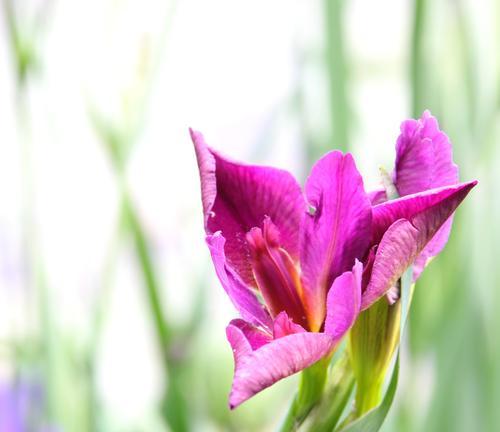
(312, 383)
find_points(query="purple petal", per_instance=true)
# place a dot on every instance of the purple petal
(284, 326)
(420, 218)
(423, 157)
(255, 336)
(424, 160)
(243, 298)
(237, 197)
(337, 233)
(397, 250)
(343, 302)
(258, 369)
(377, 196)
(433, 248)
(443, 200)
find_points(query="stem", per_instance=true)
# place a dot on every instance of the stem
(337, 73)
(149, 275)
(98, 318)
(417, 62)
(312, 383)
(335, 397)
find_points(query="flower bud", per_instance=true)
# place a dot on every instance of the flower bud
(372, 342)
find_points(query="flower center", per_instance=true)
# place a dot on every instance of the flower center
(275, 272)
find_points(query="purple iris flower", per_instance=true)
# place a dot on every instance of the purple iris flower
(300, 266)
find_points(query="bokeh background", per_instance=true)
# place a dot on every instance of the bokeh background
(111, 318)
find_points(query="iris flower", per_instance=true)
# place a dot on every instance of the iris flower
(299, 266)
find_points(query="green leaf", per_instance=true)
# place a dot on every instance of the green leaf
(373, 420)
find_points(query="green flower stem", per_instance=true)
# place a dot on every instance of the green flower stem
(312, 383)
(417, 66)
(337, 73)
(150, 280)
(372, 350)
(336, 396)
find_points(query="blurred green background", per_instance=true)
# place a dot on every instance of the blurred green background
(111, 318)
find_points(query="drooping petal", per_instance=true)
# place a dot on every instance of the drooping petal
(257, 369)
(236, 197)
(343, 302)
(421, 216)
(423, 157)
(243, 298)
(437, 202)
(336, 233)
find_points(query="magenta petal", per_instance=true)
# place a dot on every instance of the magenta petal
(424, 160)
(343, 302)
(397, 250)
(241, 295)
(236, 197)
(284, 326)
(336, 233)
(258, 369)
(433, 248)
(423, 157)
(442, 201)
(420, 218)
(377, 196)
(255, 336)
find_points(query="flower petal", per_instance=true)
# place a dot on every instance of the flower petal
(258, 369)
(343, 302)
(243, 298)
(237, 197)
(424, 160)
(423, 157)
(437, 201)
(397, 250)
(377, 196)
(337, 233)
(255, 336)
(284, 326)
(433, 248)
(420, 218)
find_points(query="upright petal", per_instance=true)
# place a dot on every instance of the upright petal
(423, 157)
(243, 298)
(257, 369)
(276, 274)
(336, 233)
(424, 160)
(343, 302)
(237, 197)
(420, 218)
